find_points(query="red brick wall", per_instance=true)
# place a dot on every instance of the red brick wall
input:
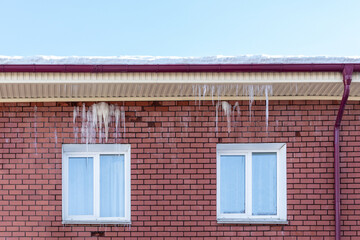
(174, 169)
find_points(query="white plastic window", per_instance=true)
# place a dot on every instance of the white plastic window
(251, 183)
(96, 183)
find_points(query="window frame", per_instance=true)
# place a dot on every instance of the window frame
(95, 150)
(248, 150)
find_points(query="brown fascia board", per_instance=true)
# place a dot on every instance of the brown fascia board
(69, 68)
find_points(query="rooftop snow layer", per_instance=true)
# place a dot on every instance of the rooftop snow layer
(154, 60)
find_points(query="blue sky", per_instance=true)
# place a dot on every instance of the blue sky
(179, 27)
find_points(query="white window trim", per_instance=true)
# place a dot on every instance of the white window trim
(247, 150)
(94, 150)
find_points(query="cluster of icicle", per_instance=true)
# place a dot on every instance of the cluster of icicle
(227, 110)
(96, 120)
(251, 91)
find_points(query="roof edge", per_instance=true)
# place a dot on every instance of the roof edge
(108, 68)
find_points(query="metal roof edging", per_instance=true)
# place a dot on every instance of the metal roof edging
(72, 68)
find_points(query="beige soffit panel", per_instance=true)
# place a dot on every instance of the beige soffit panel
(20, 87)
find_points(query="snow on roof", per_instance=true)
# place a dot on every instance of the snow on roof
(154, 60)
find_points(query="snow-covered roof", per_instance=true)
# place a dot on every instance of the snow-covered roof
(137, 60)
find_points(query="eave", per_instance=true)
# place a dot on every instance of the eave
(45, 83)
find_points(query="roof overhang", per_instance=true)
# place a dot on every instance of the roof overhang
(41, 83)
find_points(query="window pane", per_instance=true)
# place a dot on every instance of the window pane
(232, 184)
(112, 186)
(81, 181)
(264, 190)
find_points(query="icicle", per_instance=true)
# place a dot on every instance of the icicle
(88, 127)
(105, 112)
(117, 122)
(74, 114)
(111, 119)
(99, 111)
(194, 93)
(236, 108)
(75, 128)
(123, 120)
(93, 124)
(217, 116)
(251, 98)
(212, 94)
(94, 118)
(268, 91)
(199, 89)
(227, 111)
(97, 118)
(204, 91)
(83, 124)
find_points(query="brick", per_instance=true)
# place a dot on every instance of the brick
(174, 169)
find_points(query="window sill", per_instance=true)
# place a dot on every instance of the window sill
(252, 221)
(96, 222)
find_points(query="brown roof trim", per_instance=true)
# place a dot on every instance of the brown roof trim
(68, 68)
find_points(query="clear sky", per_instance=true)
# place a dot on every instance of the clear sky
(179, 27)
